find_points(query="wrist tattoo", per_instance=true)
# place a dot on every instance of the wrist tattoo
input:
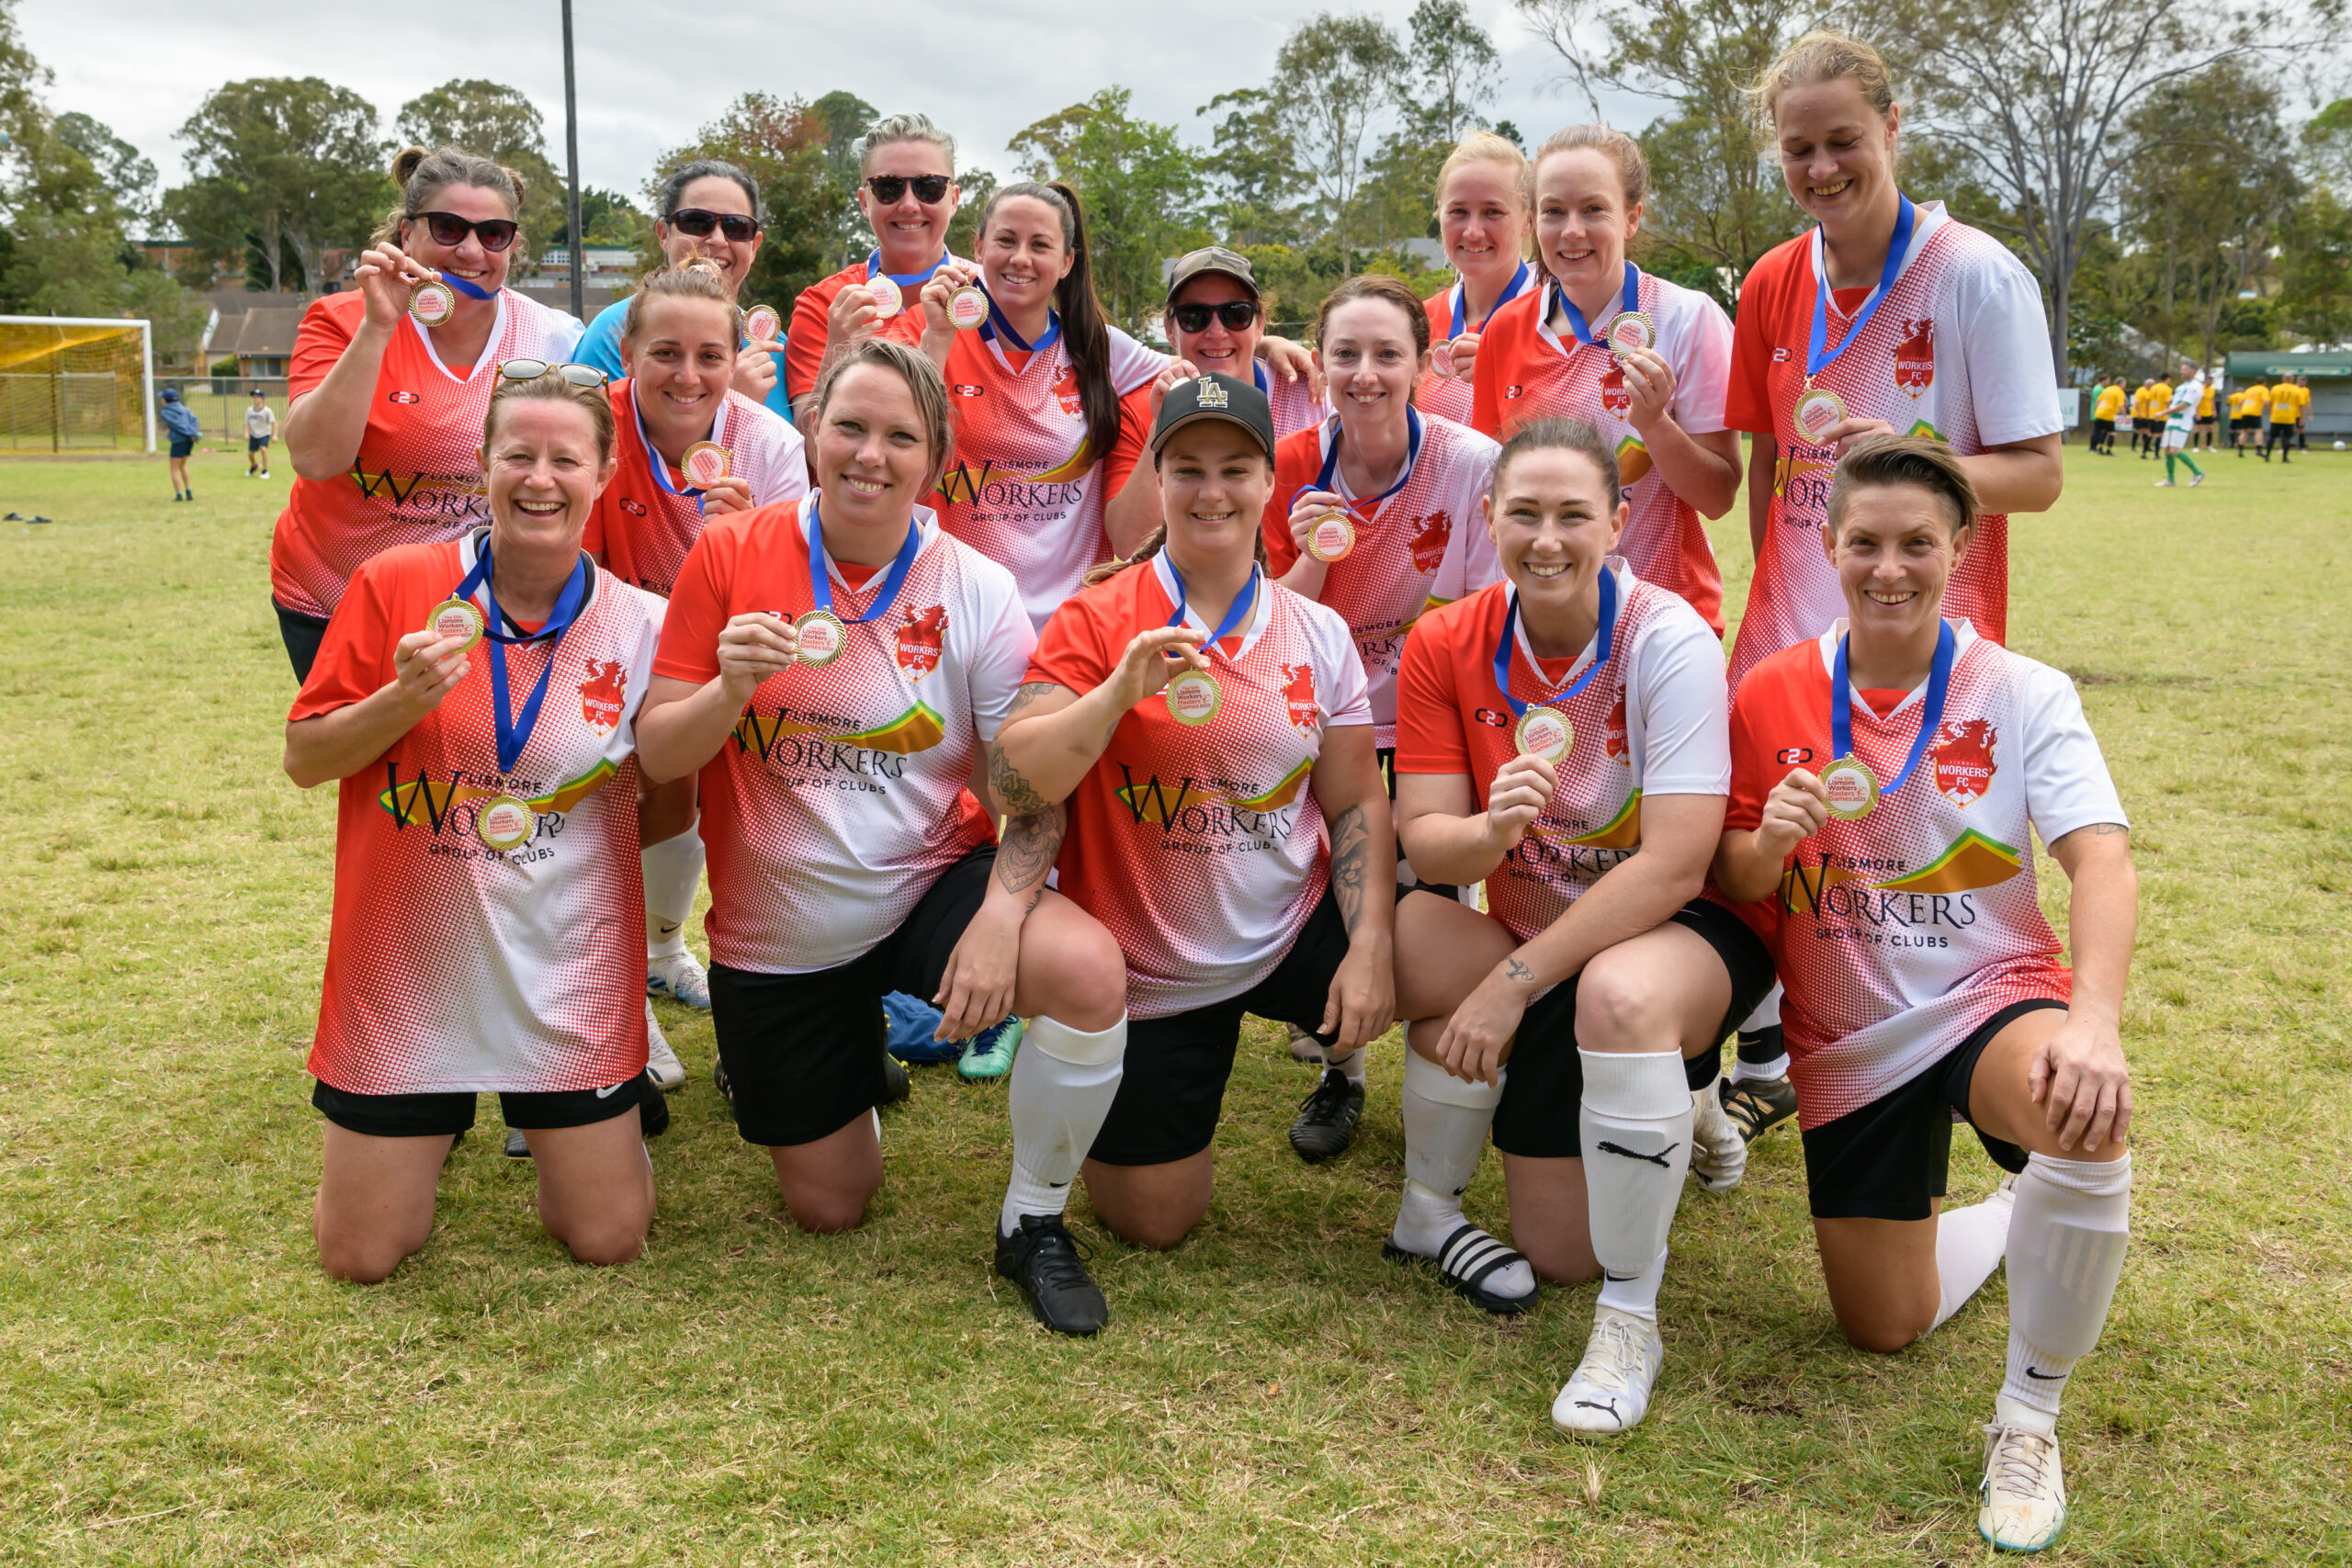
(1030, 841)
(1519, 972)
(1351, 849)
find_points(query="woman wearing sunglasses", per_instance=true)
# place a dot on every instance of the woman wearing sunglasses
(906, 195)
(710, 210)
(390, 380)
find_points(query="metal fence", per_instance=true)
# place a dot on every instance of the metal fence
(221, 401)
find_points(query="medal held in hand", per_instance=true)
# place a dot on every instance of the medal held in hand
(431, 302)
(967, 307)
(705, 464)
(762, 323)
(1194, 698)
(1544, 732)
(1819, 411)
(820, 637)
(887, 300)
(1543, 729)
(1442, 357)
(1849, 789)
(1331, 537)
(1631, 330)
(458, 619)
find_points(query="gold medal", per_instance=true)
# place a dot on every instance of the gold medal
(1331, 537)
(1850, 787)
(820, 637)
(431, 302)
(1194, 698)
(505, 822)
(1544, 732)
(888, 300)
(1819, 411)
(455, 617)
(967, 307)
(762, 323)
(1631, 330)
(705, 464)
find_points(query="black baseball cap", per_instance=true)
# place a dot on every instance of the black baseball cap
(1219, 398)
(1213, 258)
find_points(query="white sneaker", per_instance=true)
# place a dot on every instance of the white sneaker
(1718, 1152)
(662, 1064)
(2021, 1502)
(1611, 1390)
(679, 977)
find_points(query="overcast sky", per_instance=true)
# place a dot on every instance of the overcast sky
(650, 70)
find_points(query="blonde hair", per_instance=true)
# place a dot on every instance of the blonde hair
(421, 175)
(1884, 462)
(1633, 167)
(1486, 147)
(1825, 57)
(696, 277)
(891, 129)
(924, 383)
(551, 388)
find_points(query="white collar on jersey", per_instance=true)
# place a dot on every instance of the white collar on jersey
(1261, 614)
(497, 336)
(1927, 217)
(1964, 632)
(1547, 306)
(1626, 581)
(926, 520)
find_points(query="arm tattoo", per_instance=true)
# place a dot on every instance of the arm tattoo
(1026, 697)
(1013, 792)
(2096, 830)
(1518, 971)
(1030, 842)
(1351, 846)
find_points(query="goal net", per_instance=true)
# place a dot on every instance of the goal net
(75, 383)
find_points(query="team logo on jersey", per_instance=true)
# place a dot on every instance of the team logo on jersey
(919, 640)
(1514, 391)
(1613, 396)
(402, 398)
(1964, 758)
(1298, 691)
(965, 390)
(1612, 733)
(633, 506)
(1067, 394)
(1430, 541)
(604, 695)
(1779, 356)
(1915, 356)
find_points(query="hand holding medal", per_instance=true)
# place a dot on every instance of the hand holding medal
(1523, 788)
(752, 647)
(1155, 662)
(425, 677)
(1320, 525)
(763, 325)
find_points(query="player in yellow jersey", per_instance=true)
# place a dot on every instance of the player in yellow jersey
(2107, 407)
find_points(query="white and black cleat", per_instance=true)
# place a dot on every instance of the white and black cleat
(1469, 1262)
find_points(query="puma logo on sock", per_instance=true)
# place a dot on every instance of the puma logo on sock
(1658, 1159)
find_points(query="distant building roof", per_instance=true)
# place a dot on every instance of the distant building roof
(2264, 362)
(267, 331)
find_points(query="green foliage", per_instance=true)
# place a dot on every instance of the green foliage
(1253, 169)
(1334, 78)
(845, 118)
(611, 221)
(2315, 269)
(493, 120)
(1141, 188)
(783, 145)
(278, 162)
(128, 177)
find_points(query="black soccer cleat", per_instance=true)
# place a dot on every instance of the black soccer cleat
(1049, 1265)
(1326, 1121)
(1758, 1105)
(896, 1085)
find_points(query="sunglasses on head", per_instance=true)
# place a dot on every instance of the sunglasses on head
(1237, 314)
(739, 227)
(929, 189)
(448, 229)
(532, 370)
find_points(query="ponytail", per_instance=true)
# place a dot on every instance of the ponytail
(1084, 331)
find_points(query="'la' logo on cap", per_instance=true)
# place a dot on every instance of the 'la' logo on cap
(1212, 394)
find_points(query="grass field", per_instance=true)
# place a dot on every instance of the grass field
(179, 1383)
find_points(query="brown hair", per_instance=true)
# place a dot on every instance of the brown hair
(1157, 540)
(1084, 331)
(1883, 462)
(1633, 166)
(1486, 147)
(421, 175)
(551, 388)
(1379, 286)
(1559, 435)
(1825, 57)
(696, 277)
(923, 381)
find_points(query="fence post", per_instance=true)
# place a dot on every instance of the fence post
(56, 400)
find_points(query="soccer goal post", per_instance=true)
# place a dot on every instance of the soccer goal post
(76, 382)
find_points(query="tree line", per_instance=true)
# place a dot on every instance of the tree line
(2141, 156)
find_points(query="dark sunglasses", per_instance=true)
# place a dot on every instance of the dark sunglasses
(448, 229)
(930, 190)
(532, 370)
(739, 228)
(1237, 314)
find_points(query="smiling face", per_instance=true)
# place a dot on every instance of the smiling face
(713, 193)
(1483, 219)
(870, 451)
(465, 259)
(1553, 526)
(1895, 548)
(1024, 253)
(913, 233)
(680, 361)
(1836, 150)
(1369, 354)
(1214, 484)
(1216, 347)
(1582, 220)
(543, 471)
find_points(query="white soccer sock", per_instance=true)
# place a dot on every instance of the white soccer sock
(1969, 1245)
(1635, 1293)
(1351, 1065)
(1445, 1134)
(1766, 1016)
(2067, 1246)
(1063, 1083)
(1635, 1129)
(673, 869)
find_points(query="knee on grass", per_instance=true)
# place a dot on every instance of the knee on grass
(1882, 1333)
(363, 1259)
(605, 1243)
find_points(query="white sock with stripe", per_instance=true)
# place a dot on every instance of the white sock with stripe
(2066, 1245)
(1063, 1082)
(673, 869)
(1635, 1129)
(1445, 1135)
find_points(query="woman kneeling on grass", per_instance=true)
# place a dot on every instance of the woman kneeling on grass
(1923, 981)
(477, 696)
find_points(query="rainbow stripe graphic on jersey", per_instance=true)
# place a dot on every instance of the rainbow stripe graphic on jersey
(1633, 461)
(1622, 831)
(1149, 802)
(402, 802)
(918, 729)
(1923, 428)
(1969, 863)
(1284, 792)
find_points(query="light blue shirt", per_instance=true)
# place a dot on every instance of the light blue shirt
(599, 345)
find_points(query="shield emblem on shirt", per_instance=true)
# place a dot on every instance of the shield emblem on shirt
(1613, 396)
(1430, 540)
(1299, 692)
(1964, 759)
(1065, 393)
(919, 641)
(1612, 735)
(604, 695)
(1915, 356)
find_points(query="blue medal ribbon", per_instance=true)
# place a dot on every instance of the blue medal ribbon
(821, 571)
(1518, 282)
(470, 291)
(908, 282)
(1931, 715)
(1600, 652)
(1629, 299)
(1412, 460)
(1234, 614)
(1814, 358)
(998, 326)
(514, 734)
(660, 465)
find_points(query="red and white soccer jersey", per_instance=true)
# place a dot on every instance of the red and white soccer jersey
(1201, 847)
(1653, 723)
(643, 529)
(451, 966)
(1449, 395)
(1899, 934)
(1023, 488)
(843, 794)
(416, 478)
(804, 346)
(1526, 372)
(1958, 351)
(1422, 547)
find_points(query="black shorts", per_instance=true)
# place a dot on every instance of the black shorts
(1407, 879)
(2242, 422)
(256, 443)
(2101, 429)
(803, 1052)
(2204, 422)
(1173, 1091)
(302, 635)
(182, 444)
(1889, 1159)
(1543, 1084)
(445, 1115)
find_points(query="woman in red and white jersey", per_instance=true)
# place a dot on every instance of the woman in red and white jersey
(1561, 736)
(907, 194)
(388, 381)
(834, 670)
(1483, 221)
(477, 696)
(1035, 376)
(1887, 780)
(1201, 725)
(1888, 318)
(1641, 360)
